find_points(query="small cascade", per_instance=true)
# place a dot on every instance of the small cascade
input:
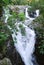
(37, 13)
(30, 19)
(24, 44)
(6, 14)
(26, 13)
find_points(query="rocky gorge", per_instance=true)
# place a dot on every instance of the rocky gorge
(7, 50)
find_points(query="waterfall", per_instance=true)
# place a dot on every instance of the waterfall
(26, 13)
(28, 18)
(24, 44)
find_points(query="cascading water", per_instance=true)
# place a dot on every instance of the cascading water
(24, 44)
(6, 14)
(26, 13)
(37, 13)
(28, 18)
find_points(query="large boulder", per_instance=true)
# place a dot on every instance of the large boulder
(5, 61)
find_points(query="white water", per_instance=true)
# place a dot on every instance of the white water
(28, 18)
(6, 14)
(37, 13)
(25, 44)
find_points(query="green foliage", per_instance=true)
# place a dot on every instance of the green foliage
(19, 2)
(41, 8)
(6, 1)
(5, 34)
(21, 16)
(22, 28)
(11, 21)
(39, 27)
(36, 2)
(3, 38)
(3, 28)
(37, 5)
(14, 14)
(41, 40)
(41, 2)
(22, 2)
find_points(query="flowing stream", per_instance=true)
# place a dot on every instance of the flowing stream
(24, 41)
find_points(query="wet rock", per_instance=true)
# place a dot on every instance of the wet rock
(32, 14)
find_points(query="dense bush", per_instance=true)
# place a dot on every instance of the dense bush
(3, 38)
(5, 35)
(22, 28)
(21, 16)
(19, 2)
(14, 14)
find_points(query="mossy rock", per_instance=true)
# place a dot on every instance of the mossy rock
(5, 61)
